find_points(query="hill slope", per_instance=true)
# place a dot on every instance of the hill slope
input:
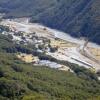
(79, 18)
(21, 8)
(76, 17)
(23, 81)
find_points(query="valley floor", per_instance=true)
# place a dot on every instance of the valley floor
(69, 48)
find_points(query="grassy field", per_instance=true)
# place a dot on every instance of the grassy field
(62, 44)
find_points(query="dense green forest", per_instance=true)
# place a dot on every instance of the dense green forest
(79, 18)
(22, 81)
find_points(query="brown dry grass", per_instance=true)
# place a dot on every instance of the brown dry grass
(28, 58)
(95, 52)
(62, 43)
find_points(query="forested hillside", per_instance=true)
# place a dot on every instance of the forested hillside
(20, 8)
(76, 17)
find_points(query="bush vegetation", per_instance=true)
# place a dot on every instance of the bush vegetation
(22, 81)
